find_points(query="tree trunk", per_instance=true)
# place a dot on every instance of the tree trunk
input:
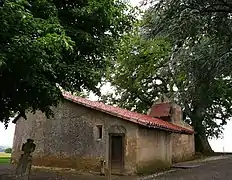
(202, 144)
(201, 141)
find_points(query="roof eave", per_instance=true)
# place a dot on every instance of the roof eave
(137, 121)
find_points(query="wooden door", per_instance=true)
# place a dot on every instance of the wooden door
(117, 153)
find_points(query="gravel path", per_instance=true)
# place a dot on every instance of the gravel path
(212, 170)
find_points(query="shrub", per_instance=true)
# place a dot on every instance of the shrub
(8, 150)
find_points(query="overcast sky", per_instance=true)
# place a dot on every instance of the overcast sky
(6, 136)
(135, 2)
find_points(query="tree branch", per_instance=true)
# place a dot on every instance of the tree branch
(219, 7)
(217, 11)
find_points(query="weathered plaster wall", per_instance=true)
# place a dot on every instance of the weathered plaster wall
(70, 138)
(154, 150)
(183, 145)
(20, 136)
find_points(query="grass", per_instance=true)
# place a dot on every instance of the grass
(4, 158)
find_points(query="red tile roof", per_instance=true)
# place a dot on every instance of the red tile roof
(138, 118)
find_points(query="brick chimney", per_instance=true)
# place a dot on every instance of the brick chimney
(161, 110)
(166, 110)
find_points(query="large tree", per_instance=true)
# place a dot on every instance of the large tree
(193, 71)
(200, 33)
(47, 45)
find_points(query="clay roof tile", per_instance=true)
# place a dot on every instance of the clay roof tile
(142, 119)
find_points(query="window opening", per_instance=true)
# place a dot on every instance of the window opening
(99, 131)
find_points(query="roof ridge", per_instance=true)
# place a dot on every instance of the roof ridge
(134, 117)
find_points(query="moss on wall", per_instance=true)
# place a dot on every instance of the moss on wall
(182, 158)
(84, 164)
(78, 163)
(152, 167)
(182, 147)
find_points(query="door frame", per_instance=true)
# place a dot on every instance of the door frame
(110, 152)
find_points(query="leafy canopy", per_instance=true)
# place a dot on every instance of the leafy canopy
(200, 62)
(135, 72)
(193, 69)
(48, 45)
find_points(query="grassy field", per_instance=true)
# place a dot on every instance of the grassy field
(4, 158)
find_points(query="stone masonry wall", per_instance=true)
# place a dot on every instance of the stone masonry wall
(154, 150)
(69, 139)
(183, 145)
(183, 148)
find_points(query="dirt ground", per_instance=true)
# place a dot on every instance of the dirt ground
(213, 169)
(7, 173)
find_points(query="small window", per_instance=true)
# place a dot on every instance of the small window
(99, 131)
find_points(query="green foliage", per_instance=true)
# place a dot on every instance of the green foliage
(8, 150)
(135, 72)
(201, 57)
(196, 71)
(48, 45)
